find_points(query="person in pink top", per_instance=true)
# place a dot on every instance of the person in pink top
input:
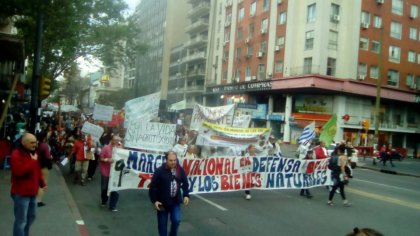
(105, 168)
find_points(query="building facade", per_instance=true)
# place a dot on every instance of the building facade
(303, 61)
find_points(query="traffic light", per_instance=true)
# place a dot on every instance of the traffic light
(365, 124)
(44, 87)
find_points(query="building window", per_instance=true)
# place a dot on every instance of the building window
(397, 7)
(280, 41)
(266, 5)
(282, 18)
(224, 75)
(393, 77)
(225, 55)
(394, 54)
(261, 72)
(409, 80)
(411, 56)
(253, 9)
(248, 73)
(362, 69)
(251, 30)
(309, 40)
(396, 30)
(335, 10)
(377, 22)
(333, 40)
(279, 67)
(307, 65)
(364, 44)
(239, 33)
(374, 72)
(413, 33)
(241, 14)
(228, 19)
(250, 50)
(227, 36)
(264, 25)
(331, 66)
(238, 54)
(365, 18)
(310, 17)
(414, 11)
(263, 46)
(237, 74)
(376, 47)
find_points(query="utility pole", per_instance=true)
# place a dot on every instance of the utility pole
(36, 69)
(378, 86)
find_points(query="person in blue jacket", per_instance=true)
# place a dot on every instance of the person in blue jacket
(169, 187)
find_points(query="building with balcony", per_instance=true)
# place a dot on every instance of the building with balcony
(302, 61)
(188, 62)
(163, 24)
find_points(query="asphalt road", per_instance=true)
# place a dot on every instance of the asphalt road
(388, 203)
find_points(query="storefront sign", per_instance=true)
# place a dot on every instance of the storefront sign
(275, 117)
(231, 88)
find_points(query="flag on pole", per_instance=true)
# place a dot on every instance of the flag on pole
(329, 130)
(308, 133)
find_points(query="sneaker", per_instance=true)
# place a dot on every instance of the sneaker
(346, 204)
(248, 197)
(114, 209)
(89, 178)
(40, 204)
(330, 203)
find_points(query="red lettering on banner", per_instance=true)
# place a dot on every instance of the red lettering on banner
(187, 166)
(143, 179)
(219, 165)
(224, 183)
(196, 168)
(245, 161)
(211, 167)
(247, 180)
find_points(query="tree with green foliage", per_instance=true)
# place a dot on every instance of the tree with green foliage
(74, 29)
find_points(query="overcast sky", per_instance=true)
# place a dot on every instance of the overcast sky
(132, 4)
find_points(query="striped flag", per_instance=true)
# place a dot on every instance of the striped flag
(308, 133)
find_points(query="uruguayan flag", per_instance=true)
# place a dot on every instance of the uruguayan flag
(308, 133)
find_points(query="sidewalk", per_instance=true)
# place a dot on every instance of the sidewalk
(58, 217)
(409, 167)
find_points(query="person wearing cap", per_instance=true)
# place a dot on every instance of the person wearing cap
(105, 169)
(273, 146)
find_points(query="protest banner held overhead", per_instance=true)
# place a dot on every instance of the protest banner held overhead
(102, 112)
(222, 115)
(95, 130)
(223, 136)
(146, 107)
(241, 121)
(134, 170)
(149, 135)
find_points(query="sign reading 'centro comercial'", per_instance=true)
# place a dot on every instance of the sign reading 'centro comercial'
(232, 88)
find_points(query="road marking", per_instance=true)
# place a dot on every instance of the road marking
(384, 198)
(211, 203)
(385, 185)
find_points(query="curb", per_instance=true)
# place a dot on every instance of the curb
(389, 171)
(77, 217)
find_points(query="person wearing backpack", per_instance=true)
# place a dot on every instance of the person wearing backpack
(339, 178)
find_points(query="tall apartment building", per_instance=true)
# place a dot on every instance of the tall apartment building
(303, 61)
(162, 24)
(188, 62)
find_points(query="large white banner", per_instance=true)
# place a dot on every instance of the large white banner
(102, 112)
(222, 115)
(95, 130)
(222, 136)
(146, 107)
(152, 136)
(134, 170)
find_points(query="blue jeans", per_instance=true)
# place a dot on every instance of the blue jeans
(162, 216)
(104, 191)
(24, 209)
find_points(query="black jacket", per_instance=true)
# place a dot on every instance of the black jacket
(160, 187)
